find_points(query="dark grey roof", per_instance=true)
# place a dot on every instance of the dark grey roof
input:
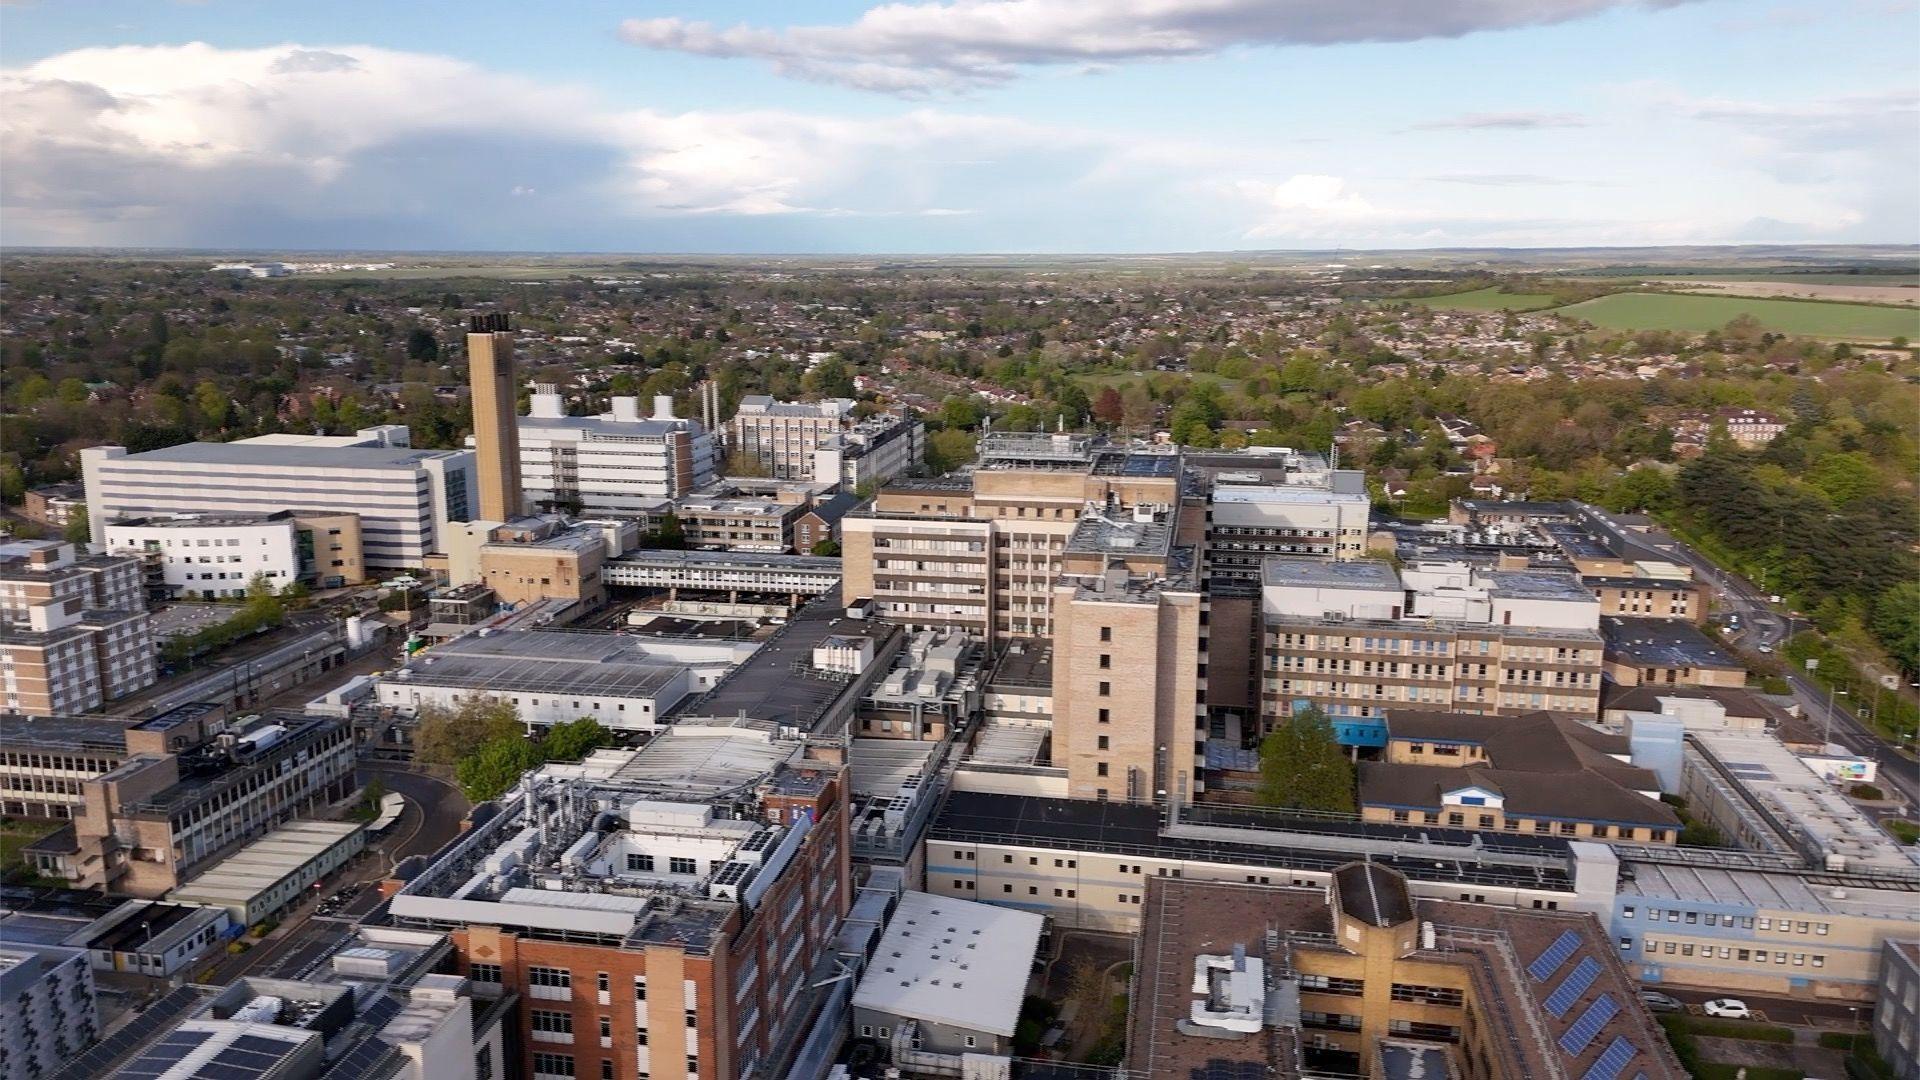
(1373, 894)
(1663, 643)
(330, 457)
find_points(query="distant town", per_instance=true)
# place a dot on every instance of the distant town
(467, 668)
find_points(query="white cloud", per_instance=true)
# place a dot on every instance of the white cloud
(919, 48)
(1504, 121)
(150, 144)
(349, 146)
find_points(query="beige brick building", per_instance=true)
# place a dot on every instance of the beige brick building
(981, 552)
(74, 631)
(1359, 638)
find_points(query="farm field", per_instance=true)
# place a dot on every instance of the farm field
(1488, 299)
(1694, 313)
(1799, 289)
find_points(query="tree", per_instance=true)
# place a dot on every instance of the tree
(948, 450)
(1109, 409)
(826, 548)
(1649, 490)
(670, 534)
(212, 403)
(421, 345)
(1896, 622)
(960, 412)
(574, 740)
(79, 530)
(13, 484)
(445, 734)
(32, 390)
(829, 378)
(499, 764)
(740, 463)
(72, 391)
(1302, 767)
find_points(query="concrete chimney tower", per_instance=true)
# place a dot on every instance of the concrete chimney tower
(496, 430)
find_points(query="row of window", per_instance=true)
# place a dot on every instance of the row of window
(1727, 952)
(1744, 922)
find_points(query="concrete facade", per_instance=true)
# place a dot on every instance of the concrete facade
(496, 431)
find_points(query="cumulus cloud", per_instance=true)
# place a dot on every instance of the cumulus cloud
(920, 48)
(349, 146)
(1504, 121)
(184, 144)
(1504, 179)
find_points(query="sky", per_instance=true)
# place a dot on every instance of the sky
(944, 126)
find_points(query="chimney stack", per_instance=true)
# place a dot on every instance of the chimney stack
(496, 430)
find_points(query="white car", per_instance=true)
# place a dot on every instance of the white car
(1728, 1008)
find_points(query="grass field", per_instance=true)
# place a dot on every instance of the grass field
(17, 833)
(1687, 312)
(1487, 299)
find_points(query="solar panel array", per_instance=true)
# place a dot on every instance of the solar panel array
(1575, 1041)
(98, 1060)
(371, 1058)
(1619, 1052)
(1573, 986)
(248, 1058)
(163, 1055)
(1229, 1070)
(1556, 954)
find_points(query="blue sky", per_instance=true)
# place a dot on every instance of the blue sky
(964, 125)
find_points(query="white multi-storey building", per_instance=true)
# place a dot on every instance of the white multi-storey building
(50, 1014)
(617, 464)
(213, 556)
(404, 496)
(872, 451)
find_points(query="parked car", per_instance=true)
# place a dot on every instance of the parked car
(1655, 1001)
(1727, 1008)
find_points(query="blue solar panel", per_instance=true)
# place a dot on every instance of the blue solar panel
(1573, 986)
(1575, 1041)
(1549, 962)
(1619, 1052)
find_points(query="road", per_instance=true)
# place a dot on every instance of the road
(433, 815)
(1764, 628)
(1797, 1012)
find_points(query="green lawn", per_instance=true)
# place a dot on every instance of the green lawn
(17, 833)
(1487, 299)
(1687, 312)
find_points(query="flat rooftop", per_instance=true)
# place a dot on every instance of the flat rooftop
(956, 963)
(63, 733)
(1102, 535)
(544, 661)
(730, 560)
(1536, 585)
(1663, 643)
(200, 521)
(1284, 494)
(260, 865)
(1795, 794)
(706, 759)
(1024, 665)
(280, 455)
(778, 683)
(1318, 573)
(1135, 828)
(1799, 891)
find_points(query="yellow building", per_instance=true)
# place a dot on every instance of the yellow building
(1363, 979)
